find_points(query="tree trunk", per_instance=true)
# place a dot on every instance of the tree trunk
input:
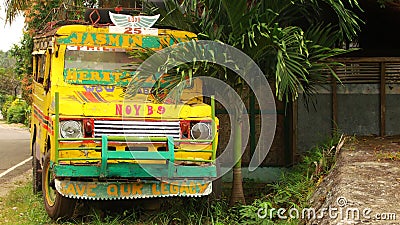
(237, 195)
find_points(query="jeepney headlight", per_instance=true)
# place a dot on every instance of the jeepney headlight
(201, 131)
(71, 129)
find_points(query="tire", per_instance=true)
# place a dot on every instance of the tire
(36, 171)
(56, 205)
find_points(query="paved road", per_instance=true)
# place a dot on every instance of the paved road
(14, 149)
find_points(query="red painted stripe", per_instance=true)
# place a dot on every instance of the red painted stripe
(90, 97)
(41, 113)
(44, 120)
(81, 97)
(46, 127)
(99, 97)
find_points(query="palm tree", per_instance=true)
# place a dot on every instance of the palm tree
(14, 7)
(290, 40)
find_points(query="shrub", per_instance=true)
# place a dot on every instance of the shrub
(2, 100)
(6, 103)
(17, 112)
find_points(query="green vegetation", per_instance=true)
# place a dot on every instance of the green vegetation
(393, 156)
(13, 111)
(293, 190)
(295, 187)
(18, 112)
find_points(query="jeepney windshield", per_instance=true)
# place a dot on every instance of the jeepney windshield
(96, 65)
(96, 59)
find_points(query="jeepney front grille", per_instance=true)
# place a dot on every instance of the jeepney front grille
(137, 128)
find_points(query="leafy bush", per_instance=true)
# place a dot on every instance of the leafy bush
(5, 103)
(17, 112)
(2, 100)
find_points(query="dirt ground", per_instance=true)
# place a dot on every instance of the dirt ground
(364, 186)
(14, 182)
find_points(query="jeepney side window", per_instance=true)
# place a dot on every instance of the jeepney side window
(35, 67)
(39, 68)
(47, 71)
(42, 68)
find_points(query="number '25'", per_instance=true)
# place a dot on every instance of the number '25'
(130, 30)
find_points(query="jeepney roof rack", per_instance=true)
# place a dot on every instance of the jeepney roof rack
(92, 16)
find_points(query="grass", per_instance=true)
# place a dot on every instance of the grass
(392, 156)
(295, 187)
(293, 190)
(22, 207)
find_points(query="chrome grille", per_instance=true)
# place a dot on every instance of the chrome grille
(137, 128)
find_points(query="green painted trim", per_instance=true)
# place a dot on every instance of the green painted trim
(151, 42)
(137, 139)
(194, 171)
(171, 149)
(130, 170)
(213, 129)
(171, 152)
(138, 155)
(104, 156)
(115, 40)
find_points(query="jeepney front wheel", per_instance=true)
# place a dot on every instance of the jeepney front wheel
(56, 205)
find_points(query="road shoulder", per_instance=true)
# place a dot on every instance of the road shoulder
(15, 182)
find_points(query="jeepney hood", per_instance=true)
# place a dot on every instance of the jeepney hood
(94, 104)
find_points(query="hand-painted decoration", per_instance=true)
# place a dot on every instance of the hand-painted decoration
(120, 190)
(82, 76)
(98, 88)
(138, 110)
(112, 40)
(122, 20)
(128, 24)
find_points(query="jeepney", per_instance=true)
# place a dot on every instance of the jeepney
(88, 142)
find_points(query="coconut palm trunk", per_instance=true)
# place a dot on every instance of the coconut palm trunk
(237, 194)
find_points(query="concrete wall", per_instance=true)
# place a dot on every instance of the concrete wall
(393, 109)
(313, 124)
(358, 113)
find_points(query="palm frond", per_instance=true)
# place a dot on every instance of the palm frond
(13, 8)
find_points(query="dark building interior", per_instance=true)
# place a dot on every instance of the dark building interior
(381, 29)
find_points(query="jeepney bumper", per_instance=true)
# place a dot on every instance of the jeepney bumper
(132, 190)
(118, 175)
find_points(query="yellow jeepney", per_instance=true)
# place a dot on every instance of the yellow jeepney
(89, 142)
